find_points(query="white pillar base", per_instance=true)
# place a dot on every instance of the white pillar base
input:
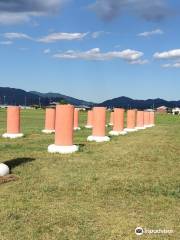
(148, 126)
(77, 128)
(88, 126)
(98, 139)
(117, 133)
(4, 170)
(12, 135)
(48, 131)
(140, 128)
(130, 130)
(62, 149)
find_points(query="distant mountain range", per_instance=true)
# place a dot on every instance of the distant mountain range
(13, 96)
(126, 102)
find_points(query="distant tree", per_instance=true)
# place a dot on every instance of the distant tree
(63, 102)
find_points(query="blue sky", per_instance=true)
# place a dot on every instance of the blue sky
(93, 50)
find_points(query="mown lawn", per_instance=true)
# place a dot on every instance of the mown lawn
(103, 192)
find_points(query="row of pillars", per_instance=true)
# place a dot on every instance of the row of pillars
(65, 118)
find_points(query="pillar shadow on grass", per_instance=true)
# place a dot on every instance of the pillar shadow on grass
(18, 161)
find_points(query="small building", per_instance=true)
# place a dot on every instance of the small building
(162, 109)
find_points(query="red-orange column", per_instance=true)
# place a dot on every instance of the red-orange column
(99, 121)
(99, 125)
(152, 118)
(64, 126)
(111, 119)
(50, 120)
(131, 119)
(76, 119)
(89, 119)
(118, 119)
(118, 127)
(140, 120)
(146, 118)
(13, 119)
(13, 123)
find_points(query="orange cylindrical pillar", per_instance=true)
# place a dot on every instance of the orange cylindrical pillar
(99, 125)
(118, 128)
(152, 119)
(140, 120)
(89, 119)
(111, 119)
(49, 120)
(146, 119)
(64, 125)
(131, 121)
(13, 122)
(76, 119)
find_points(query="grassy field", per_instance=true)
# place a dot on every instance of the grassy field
(103, 192)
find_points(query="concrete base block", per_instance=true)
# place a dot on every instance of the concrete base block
(98, 139)
(62, 149)
(88, 126)
(12, 135)
(117, 133)
(140, 128)
(48, 131)
(148, 126)
(77, 128)
(130, 130)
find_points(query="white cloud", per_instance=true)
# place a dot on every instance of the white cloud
(175, 53)
(13, 18)
(140, 61)
(15, 35)
(154, 32)
(54, 37)
(46, 51)
(17, 11)
(98, 34)
(153, 10)
(132, 56)
(171, 65)
(6, 42)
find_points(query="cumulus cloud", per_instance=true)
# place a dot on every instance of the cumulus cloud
(15, 35)
(98, 34)
(171, 65)
(6, 42)
(131, 56)
(150, 33)
(46, 51)
(175, 53)
(153, 10)
(16, 11)
(54, 37)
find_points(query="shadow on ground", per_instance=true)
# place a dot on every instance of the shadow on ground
(18, 161)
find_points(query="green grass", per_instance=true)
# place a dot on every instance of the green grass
(103, 192)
